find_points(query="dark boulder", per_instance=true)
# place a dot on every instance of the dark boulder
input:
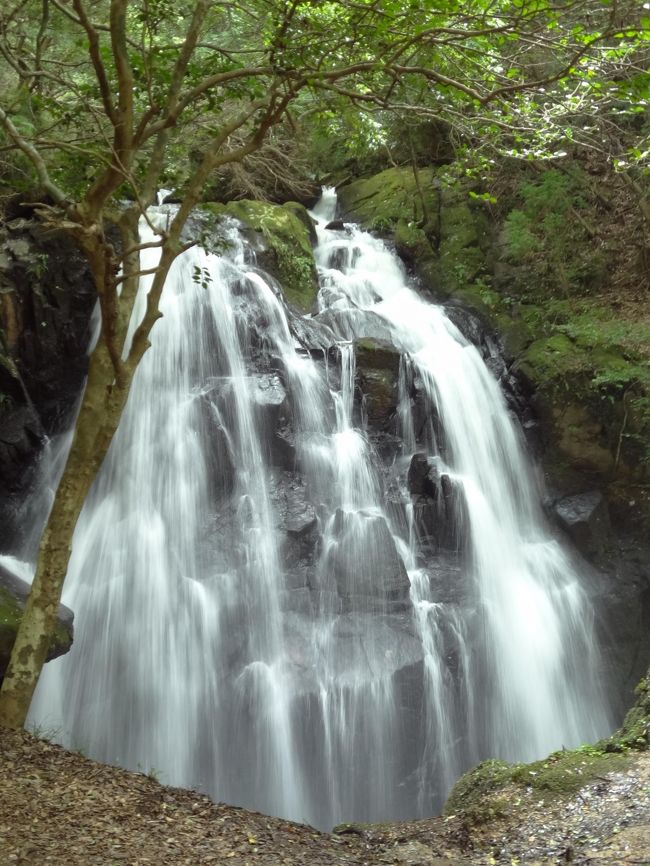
(439, 509)
(298, 522)
(46, 299)
(364, 562)
(585, 518)
(13, 596)
(335, 225)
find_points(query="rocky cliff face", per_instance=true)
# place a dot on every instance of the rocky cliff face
(541, 277)
(46, 300)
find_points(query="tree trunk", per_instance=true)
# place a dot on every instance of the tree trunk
(99, 416)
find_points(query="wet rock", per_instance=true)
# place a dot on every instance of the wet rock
(375, 646)
(283, 448)
(446, 578)
(363, 559)
(362, 648)
(46, 299)
(378, 374)
(270, 399)
(217, 446)
(356, 325)
(13, 596)
(585, 518)
(298, 600)
(421, 478)
(335, 225)
(268, 390)
(439, 509)
(297, 520)
(468, 322)
(312, 333)
(20, 435)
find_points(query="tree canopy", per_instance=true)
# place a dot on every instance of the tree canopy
(146, 92)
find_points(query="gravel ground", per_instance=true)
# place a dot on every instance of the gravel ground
(61, 809)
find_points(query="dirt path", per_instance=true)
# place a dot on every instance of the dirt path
(61, 809)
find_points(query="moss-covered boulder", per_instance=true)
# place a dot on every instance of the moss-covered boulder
(592, 384)
(492, 789)
(13, 595)
(396, 195)
(378, 373)
(286, 235)
(472, 789)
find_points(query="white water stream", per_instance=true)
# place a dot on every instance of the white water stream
(284, 633)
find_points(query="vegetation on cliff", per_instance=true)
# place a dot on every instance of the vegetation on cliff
(555, 273)
(286, 234)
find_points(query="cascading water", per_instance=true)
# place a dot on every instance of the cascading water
(274, 606)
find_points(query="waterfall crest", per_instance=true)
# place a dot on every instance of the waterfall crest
(277, 605)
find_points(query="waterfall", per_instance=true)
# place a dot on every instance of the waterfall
(278, 605)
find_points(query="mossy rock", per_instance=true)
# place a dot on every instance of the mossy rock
(287, 234)
(566, 771)
(378, 203)
(437, 228)
(13, 593)
(411, 243)
(551, 359)
(378, 372)
(484, 790)
(635, 732)
(471, 789)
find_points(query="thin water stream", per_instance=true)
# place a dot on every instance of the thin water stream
(274, 606)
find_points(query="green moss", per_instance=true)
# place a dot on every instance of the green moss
(287, 233)
(635, 732)
(550, 359)
(472, 788)
(567, 771)
(411, 242)
(486, 792)
(11, 613)
(482, 794)
(381, 201)
(516, 335)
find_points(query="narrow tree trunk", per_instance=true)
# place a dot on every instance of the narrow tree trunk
(99, 416)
